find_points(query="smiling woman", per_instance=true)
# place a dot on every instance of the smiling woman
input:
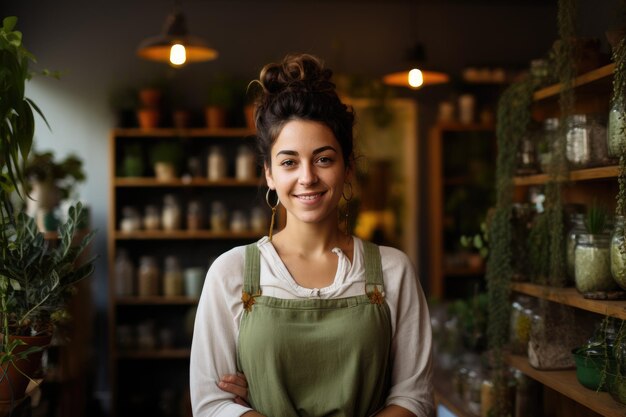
(311, 321)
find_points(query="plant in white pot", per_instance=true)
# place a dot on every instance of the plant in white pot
(36, 275)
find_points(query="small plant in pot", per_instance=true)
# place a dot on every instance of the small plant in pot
(50, 181)
(592, 262)
(221, 98)
(166, 158)
(36, 275)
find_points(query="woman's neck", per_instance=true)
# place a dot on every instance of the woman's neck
(311, 239)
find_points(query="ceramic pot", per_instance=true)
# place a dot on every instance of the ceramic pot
(215, 117)
(148, 118)
(164, 171)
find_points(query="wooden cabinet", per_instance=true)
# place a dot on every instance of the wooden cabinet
(461, 167)
(150, 335)
(585, 185)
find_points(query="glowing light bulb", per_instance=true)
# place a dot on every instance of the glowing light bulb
(416, 79)
(178, 55)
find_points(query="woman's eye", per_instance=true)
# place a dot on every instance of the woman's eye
(324, 160)
(287, 163)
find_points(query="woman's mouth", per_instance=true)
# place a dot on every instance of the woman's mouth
(309, 196)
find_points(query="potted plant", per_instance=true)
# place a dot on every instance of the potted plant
(150, 103)
(166, 158)
(50, 181)
(221, 98)
(36, 279)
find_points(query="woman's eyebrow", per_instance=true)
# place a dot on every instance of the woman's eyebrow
(315, 152)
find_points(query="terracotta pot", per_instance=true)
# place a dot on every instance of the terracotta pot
(215, 117)
(148, 118)
(150, 97)
(12, 382)
(181, 119)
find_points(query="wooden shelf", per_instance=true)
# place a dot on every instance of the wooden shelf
(577, 175)
(464, 271)
(565, 382)
(597, 74)
(193, 182)
(184, 234)
(238, 133)
(156, 300)
(571, 297)
(155, 354)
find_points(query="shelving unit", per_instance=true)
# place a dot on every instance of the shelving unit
(140, 376)
(592, 94)
(449, 179)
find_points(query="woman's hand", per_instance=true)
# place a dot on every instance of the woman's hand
(235, 384)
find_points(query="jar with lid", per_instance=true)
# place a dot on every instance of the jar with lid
(171, 216)
(546, 141)
(618, 256)
(238, 221)
(148, 277)
(124, 274)
(258, 219)
(151, 218)
(616, 135)
(577, 221)
(194, 215)
(131, 221)
(592, 265)
(527, 155)
(578, 142)
(216, 163)
(245, 166)
(218, 217)
(172, 277)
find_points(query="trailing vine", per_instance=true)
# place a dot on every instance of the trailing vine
(513, 120)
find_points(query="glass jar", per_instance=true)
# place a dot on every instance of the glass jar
(124, 274)
(152, 218)
(245, 166)
(258, 219)
(616, 135)
(218, 217)
(596, 124)
(577, 220)
(618, 260)
(578, 142)
(527, 155)
(194, 280)
(521, 320)
(592, 265)
(131, 221)
(170, 217)
(148, 277)
(546, 141)
(172, 277)
(216, 163)
(194, 215)
(238, 221)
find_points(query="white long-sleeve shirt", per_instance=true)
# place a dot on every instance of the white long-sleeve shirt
(216, 328)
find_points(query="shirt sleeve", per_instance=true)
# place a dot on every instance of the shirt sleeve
(214, 347)
(411, 377)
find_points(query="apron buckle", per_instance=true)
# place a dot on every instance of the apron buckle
(248, 300)
(375, 296)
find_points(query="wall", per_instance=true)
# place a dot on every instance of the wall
(93, 45)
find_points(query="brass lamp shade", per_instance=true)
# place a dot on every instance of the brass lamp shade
(158, 48)
(401, 79)
(416, 77)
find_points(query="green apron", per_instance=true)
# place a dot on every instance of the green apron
(314, 357)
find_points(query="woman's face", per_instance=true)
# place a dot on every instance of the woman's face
(307, 171)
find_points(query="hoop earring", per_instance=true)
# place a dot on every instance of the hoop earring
(343, 193)
(346, 219)
(273, 207)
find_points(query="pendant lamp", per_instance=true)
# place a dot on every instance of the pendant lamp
(416, 76)
(175, 46)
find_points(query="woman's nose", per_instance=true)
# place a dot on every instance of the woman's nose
(307, 175)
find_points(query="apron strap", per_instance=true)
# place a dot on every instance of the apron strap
(251, 276)
(374, 286)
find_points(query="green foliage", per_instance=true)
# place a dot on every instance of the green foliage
(226, 91)
(36, 277)
(64, 174)
(479, 241)
(539, 249)
(166, 151)
(596, 219)
(471, 315)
